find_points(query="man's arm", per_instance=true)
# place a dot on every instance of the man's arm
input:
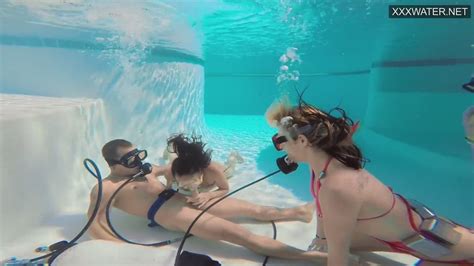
(99, 228)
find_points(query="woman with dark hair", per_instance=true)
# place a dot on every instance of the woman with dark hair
(203, 181)
(356, 212)
(194, 172)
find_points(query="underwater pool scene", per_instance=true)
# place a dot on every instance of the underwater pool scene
(75, 74)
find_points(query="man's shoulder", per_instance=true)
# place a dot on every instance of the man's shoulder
(107, 187)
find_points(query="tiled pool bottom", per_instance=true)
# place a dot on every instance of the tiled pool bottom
(443, 183)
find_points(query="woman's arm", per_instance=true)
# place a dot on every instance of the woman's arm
(340, 202)
(319, 242)
(165, 171)
(217, 176)
(213, 174)
(219, 179)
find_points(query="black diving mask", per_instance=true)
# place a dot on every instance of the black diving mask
(133, 158)
(293, 129)
(278, 140)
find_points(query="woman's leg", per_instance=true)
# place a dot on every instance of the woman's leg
(215, 228)
(364, 243)
(462, 251)
(234, 208)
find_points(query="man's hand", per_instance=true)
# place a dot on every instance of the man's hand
(199, 201)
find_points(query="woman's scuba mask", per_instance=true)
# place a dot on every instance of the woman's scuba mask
(284, 163)
(294, 130)
(191, 184)
(278, 140)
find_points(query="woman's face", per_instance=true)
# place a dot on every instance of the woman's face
(293, 147)
(190, 182)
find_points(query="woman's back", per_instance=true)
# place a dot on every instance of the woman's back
(377, 217)
(382, 214)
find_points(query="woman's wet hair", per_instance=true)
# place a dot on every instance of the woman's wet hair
(192, 156)
(330, 131)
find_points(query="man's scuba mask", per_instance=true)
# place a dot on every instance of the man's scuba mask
(132, 158)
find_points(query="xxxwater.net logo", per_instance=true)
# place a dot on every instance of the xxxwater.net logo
(429, 11)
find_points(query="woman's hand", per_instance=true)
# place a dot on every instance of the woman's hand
(199, 200)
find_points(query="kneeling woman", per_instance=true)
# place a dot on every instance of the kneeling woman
(356, 212)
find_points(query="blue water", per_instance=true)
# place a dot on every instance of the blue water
(443, 183)
(401, 79)
(214, 68)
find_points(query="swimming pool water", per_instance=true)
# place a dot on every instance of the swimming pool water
(409, 170)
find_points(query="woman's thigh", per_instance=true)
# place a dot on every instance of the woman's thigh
(363, 242)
